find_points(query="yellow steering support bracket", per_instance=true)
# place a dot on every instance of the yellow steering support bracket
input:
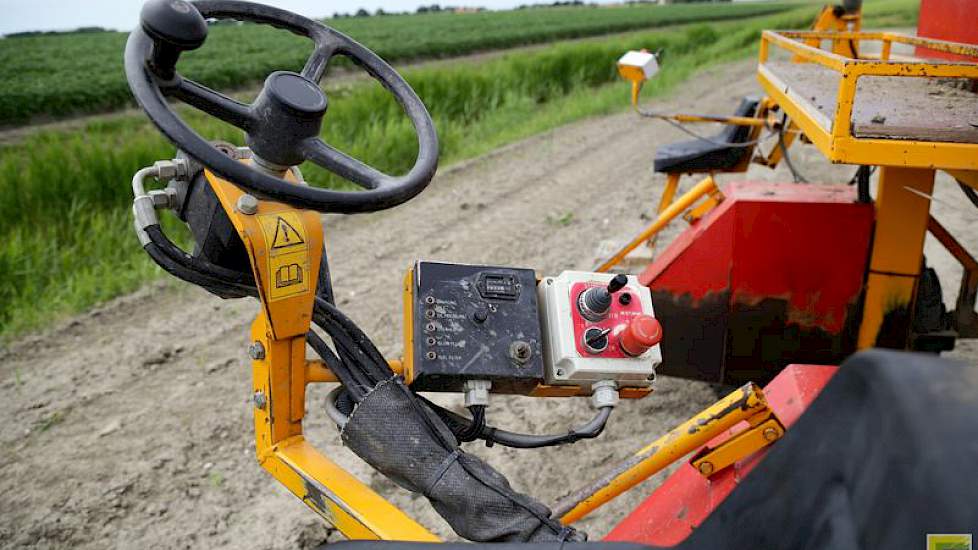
(746, 404)
(285, 247)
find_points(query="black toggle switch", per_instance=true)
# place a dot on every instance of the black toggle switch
(595, 302)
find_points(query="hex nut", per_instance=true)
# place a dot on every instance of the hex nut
(247, 204)
(770, 434)
(256, 351)
(521, 351)
(706, 468)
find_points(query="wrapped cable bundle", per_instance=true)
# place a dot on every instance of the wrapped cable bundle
(395, 432)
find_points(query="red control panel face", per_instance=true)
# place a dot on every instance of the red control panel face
(617, 320)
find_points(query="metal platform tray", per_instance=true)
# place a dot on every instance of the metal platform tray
(897, 112)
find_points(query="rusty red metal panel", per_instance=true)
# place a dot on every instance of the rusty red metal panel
(772, 276)
(954, 20)
(686, 498)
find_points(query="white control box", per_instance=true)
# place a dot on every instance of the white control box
(568, 359)
(643, 65)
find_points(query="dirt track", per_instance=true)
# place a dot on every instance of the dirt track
(131, 426)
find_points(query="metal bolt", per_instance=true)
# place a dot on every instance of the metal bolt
(430, 327)
(431, 356)
(256, 351)
(247, 204)
(520, 351)
(430, 314)
(429, 300)
(706, 468)
(431, 341)
(259, 400)
(770, 434)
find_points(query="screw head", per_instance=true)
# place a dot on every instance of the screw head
(770, 434)
(259, 400)
(706, 468)
(520, 351)
(247, 204)
(431, 356)
(256, 351)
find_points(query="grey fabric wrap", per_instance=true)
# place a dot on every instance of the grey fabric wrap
(402, 438)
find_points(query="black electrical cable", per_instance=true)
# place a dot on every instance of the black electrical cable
(492, 435)
(784, 152)
(475, 427)
(861, 180)
(350, 378)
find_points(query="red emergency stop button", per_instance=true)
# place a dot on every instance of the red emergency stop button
(642, 333)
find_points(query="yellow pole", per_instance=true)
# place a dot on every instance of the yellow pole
(739, 406)
(902, 212)
(671, 212)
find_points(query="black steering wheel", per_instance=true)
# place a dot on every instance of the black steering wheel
(282, 126)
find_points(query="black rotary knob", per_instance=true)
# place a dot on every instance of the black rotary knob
(175, 26)
(595, 302)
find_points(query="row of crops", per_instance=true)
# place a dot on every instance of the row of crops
(59, 75)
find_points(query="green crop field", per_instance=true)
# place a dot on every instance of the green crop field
(59, 75)
(67, 240)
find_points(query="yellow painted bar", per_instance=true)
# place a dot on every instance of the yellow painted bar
(318, 372)
(674, 210)
(902, 213)
(341, 499)
(668, 192)
(740, 405)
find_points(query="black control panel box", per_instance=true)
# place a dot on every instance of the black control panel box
(473, 322)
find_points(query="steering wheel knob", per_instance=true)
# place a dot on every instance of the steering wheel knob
(174, 26)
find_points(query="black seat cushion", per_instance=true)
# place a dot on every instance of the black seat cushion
(697, 155)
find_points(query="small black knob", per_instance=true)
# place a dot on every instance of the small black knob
(480, 314)
(617, 283)
(175, 26)
(596, 339)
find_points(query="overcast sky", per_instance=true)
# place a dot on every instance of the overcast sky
(30, 15)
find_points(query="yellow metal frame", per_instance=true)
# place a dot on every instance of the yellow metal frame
(834, 138)
(906, 166)
(280, 374)
(746, 404)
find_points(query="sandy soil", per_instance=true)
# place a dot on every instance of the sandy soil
(131, 426)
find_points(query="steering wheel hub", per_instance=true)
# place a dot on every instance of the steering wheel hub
(289, 110)
(296, 94)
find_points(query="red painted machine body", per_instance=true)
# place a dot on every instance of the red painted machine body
(686, 498)
(774, 275)
(954, 20)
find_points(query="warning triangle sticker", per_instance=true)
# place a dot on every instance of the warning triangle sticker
(285, 235)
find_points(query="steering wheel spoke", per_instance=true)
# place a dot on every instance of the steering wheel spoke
(318, 62)
(211, 102)
(320, 153)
